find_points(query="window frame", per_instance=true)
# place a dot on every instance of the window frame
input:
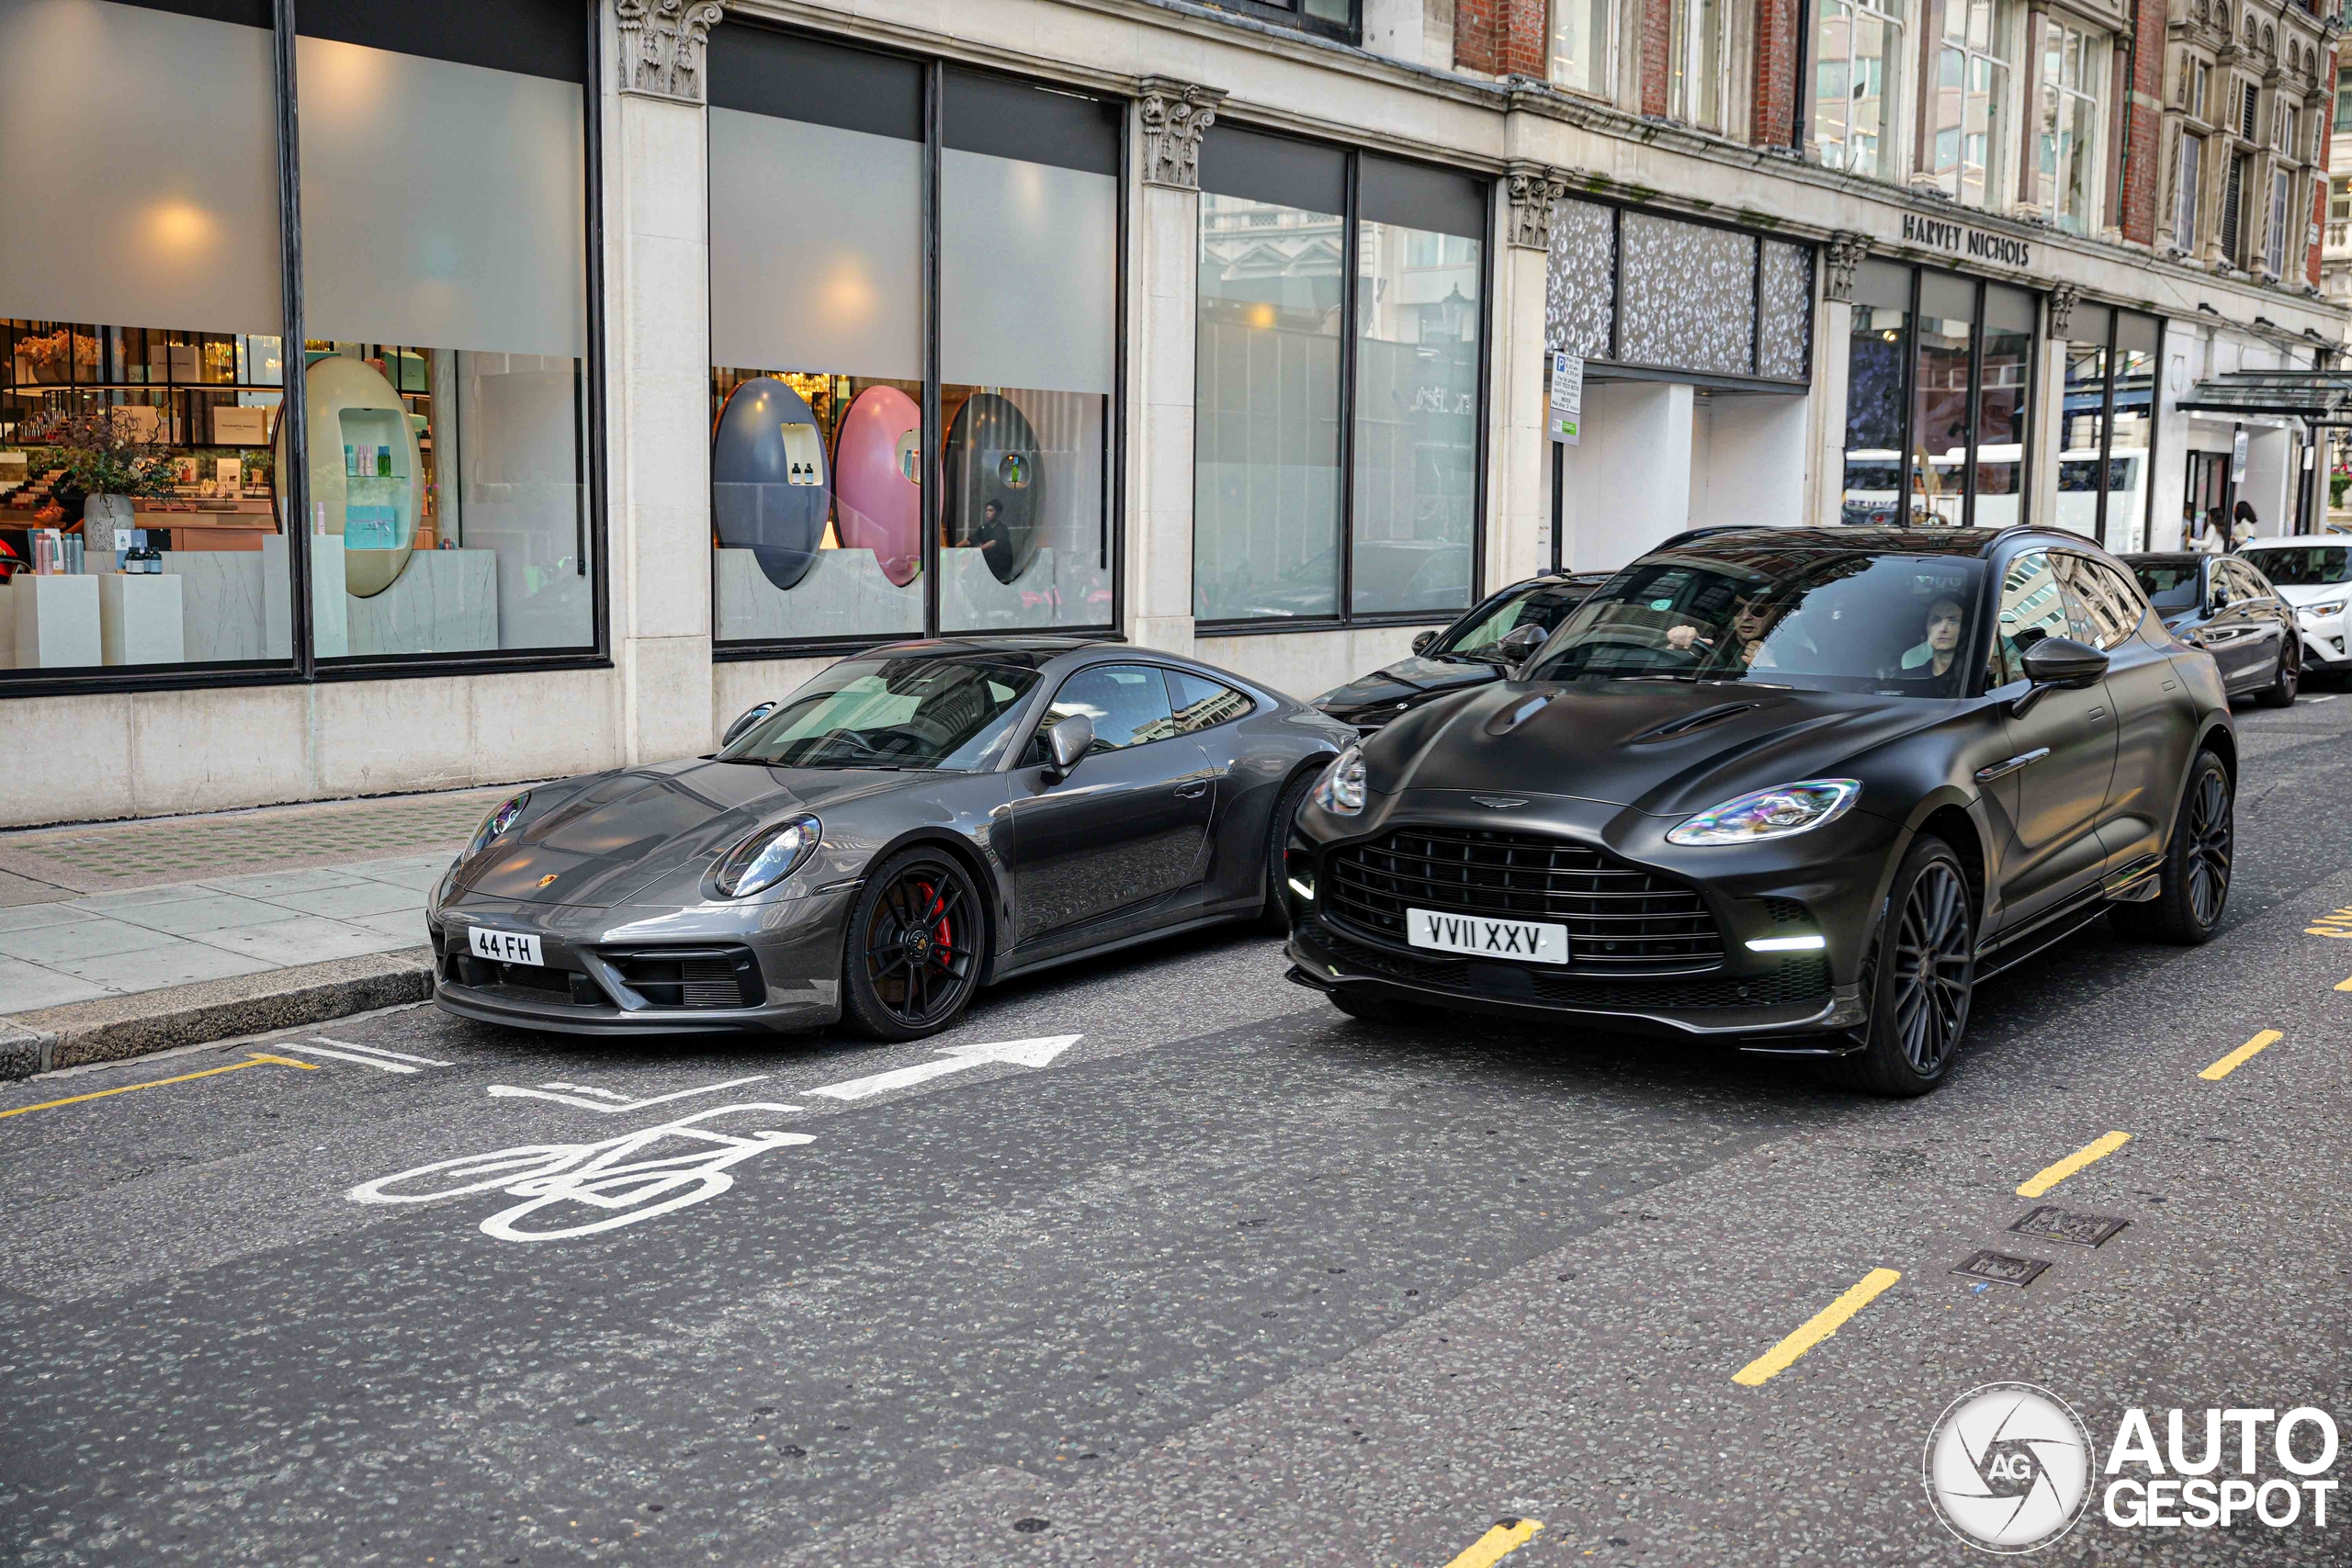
(1351, 334)
(304, 666)
(933, 450)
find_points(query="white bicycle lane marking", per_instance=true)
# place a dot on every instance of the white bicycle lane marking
(622, 1189)
(605, 1176)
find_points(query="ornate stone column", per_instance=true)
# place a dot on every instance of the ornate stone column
(1519, 513)
(657, 376)
(1163, 308)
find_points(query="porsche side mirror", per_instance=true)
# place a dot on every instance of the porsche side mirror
(1519, 642)
(1069, 741)
(744, 721)
(2060, 664)
(1421, 643)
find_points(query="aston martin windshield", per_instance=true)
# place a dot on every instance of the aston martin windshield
(1893, 625)
(949, 714)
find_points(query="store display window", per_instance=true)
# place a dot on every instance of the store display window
(141, 348)
(445, 312)
(1336, 473)
(159, 495)
(900, 445)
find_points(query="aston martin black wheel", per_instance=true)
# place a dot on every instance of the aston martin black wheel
(2195, 882)
(2281, 693)
(912, 957)
(1920, 978)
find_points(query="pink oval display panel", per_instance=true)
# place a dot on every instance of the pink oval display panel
(879, 505)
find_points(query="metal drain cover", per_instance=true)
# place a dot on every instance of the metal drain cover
(2050, 1222)
(2000, 1268)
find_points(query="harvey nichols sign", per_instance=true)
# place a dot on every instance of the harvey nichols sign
(1976, 244)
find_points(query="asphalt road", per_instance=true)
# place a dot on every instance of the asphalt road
(1230, 1279)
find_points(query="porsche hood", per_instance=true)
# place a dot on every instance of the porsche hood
(599, 840)
(1664, 748)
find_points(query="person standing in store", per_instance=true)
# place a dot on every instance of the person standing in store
(2242, 522)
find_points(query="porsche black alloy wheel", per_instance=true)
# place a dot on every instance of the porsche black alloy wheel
(2195, 882)
(1921, 977)
(2281, 693)
(913, 958)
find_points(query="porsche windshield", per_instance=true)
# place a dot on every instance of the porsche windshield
(893, 713)
(1893, 625)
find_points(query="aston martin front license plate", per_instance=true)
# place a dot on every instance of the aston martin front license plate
(507, 947)
(1527, 941)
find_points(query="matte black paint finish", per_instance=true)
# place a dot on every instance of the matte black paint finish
(1368, 702)
(1619, 764)
(1131, 843)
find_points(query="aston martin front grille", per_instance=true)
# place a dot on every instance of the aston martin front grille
(1621, 918)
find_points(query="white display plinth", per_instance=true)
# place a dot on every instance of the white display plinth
(139, 619)
(56, 622)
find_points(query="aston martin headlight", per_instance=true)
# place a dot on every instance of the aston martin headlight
(2320, 611)
(768, 856)
(496, 826)
(1769, 813)
(1341, 789)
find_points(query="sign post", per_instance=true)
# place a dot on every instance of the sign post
(1567, 399)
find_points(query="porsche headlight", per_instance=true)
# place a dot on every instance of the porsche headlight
(1341, 789)
(496, 826)
(1769, 813)
(767, 857)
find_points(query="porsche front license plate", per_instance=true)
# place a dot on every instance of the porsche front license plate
(507, 947)
(1524, 940)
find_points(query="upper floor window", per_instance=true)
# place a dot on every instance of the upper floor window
(2074, 71)
(1694, 82)
(1971, 100)
(1581, 45)
(1857, 79)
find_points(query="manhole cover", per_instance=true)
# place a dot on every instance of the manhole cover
(2000, 1268)
(2051, 1223)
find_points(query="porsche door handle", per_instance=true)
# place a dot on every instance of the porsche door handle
(2004, 768)
(1191, 789)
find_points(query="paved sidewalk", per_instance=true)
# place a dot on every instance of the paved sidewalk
(203, 898)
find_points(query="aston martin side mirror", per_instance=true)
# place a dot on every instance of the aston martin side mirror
(744, 721)
(1421, 643)
(1069, 741)
(2060, 664)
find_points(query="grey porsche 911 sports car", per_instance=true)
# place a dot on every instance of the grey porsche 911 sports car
(911, 825)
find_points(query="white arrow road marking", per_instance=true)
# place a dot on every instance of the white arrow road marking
(1038, 1052)
(570, 1094)
(377, 1051)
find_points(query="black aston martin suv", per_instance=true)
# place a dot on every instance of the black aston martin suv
(1797, 791)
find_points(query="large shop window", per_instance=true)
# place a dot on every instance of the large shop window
(833, 173)
(1938, 400)
(157, 499)
(2106, 435)
(140, 346)
(1336, 438)
(445, 317)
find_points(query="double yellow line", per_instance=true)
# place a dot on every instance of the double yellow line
(255, 1059)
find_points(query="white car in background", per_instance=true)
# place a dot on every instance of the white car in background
(2316, 579)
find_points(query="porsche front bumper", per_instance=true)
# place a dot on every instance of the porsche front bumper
(707, 969)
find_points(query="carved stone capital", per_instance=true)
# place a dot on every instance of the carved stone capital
(1533, 190)
(1839, 258)
(2062, 309)
(661, 45)
(1175, 116)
